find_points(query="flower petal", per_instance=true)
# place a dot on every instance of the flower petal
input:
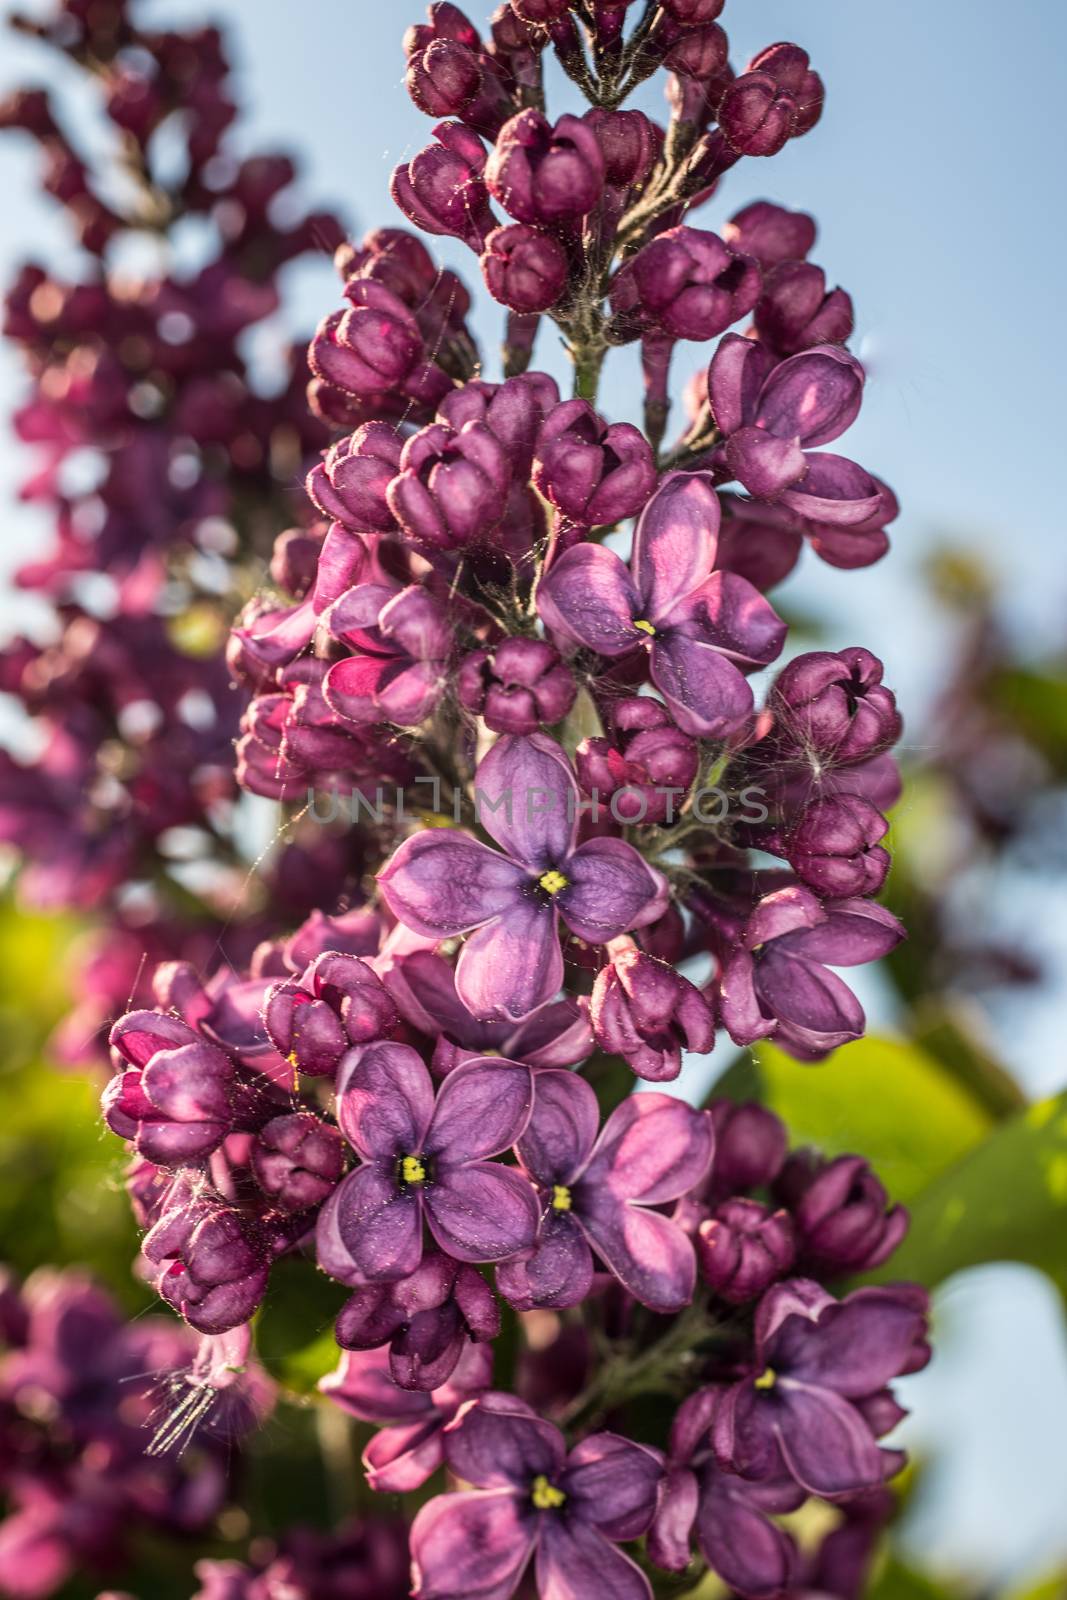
(560, 1134)
(384, 1100)
(400, 1459)
(470, 1547)
(675, 541)
(646, 1251)
(834, 491)
(589, 596)
(614, 1484)
(827, 1446)
(855, 1347)
(558, 1274)
(653, 1148)
(497, 1441)
(525, 795)
(379, 1226)
(482, 1108)
(731, 615)
(611, 888)
(482, 1212)
(705, 692)
(750, 1553)
(512, 965)
(442, 883)
(575, 1561)
(812, 397)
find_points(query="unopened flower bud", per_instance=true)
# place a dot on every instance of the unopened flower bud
(742, 1248)
(834, 708)
(542, 173)
(797, 311)
(841, 1212)
(518, 687)
(452, 487)
(349, 483)
(750, 1147)
(297, 1160)
(593, 472)
(646, 1012)
(524, 268)
(770, 233)
(687, 284)
(835, 847)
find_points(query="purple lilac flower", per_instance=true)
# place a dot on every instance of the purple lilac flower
(533, 1500)
(777, 983)
(841, 1212)
(426, 1158)
(646, 1012)
(598, 1194)
(729, 1517)
(702, 629)
(443, 883)
(800, 1412)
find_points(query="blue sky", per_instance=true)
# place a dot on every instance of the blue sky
(936, 176)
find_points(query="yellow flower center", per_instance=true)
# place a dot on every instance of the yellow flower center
(644, 627)
(561, 1197)
(767, 1379)
(545, 1495)
(412, 1169)
(552, 881)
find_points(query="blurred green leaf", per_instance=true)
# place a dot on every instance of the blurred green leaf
(896, 1581)
(951, 1029)
(294, 1330)
(1005, 1200)
(885, 1099)
(1036, 702)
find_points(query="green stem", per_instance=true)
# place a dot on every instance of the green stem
(587, 364)
(658, 1365)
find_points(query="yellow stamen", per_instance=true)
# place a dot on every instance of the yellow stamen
(545, 1495)
(412, 1170)
(767, 1379)
(552, 881)
(644, 627)
(561, 1197)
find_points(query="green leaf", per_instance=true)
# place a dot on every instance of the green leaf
(300, 1300)
(881, 1098)
(1006, 1200)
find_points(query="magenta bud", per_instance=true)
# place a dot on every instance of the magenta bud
(645, 769)
(447, 21)
(750, 1147)
(514, 411)
(211, 1269)
(338, 1002)
(444, 78)
(519, 687)
(349, 483)
(834, 708)
(646, 1012)
(835, 847)
(797, 311)
(693, 13)
(442, 189)
(540, 12)
(542, 173)
(371, 347)
(524, 268)
(452, 487)
(841, 1214)
(592, 472)
(297, 1160)
(700, 52)
(629, 142)
(743, 1248)
(770, 233)
(175, 1099)
(689, 285)
(294, 560)
(790, 68)
(756, 117)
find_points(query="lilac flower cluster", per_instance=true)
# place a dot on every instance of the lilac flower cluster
(392, 1089)
(163, 477)
(79, 1390)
